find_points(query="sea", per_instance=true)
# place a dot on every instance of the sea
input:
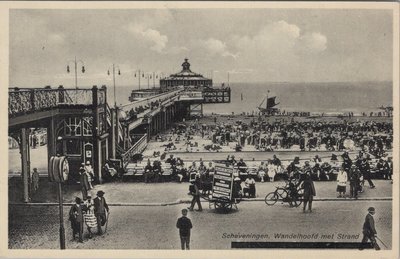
(356, 97)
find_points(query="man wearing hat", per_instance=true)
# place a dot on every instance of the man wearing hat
(366, 172)
(100, 208)
(369, 231)
(196, 194)
(76, 218)
(84, 182)
(354, 181)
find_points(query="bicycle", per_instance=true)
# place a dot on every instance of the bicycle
(290, 194)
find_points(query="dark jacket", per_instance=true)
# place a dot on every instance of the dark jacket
(369, 225)
(83, 178)
(309, 188)
(184, 224)
(355, 175)
(76, 213)
(100, 206)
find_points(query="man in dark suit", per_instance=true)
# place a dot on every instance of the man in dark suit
(196, 194)
(369, 230)
(366, 172)
(148, 172)
(309, 192)
(84, 182)
(354, 181)
(100, 208)
(184, 224)
(76, 218)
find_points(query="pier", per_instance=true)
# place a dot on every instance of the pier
(82, 126)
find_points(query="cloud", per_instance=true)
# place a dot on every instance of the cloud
(216, 47)
(174, 50)
(150, 36)
(56, 38)
(279, 40)
(312, 43)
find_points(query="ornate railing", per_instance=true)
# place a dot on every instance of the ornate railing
(23, 101)
(146, 102)
(137, 148)
(76, 96)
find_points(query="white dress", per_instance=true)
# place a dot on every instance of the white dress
(90, 218)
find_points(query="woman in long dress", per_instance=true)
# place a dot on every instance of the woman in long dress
(90, 218)
(271, 171)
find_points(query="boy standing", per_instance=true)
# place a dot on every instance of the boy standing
(184, 224)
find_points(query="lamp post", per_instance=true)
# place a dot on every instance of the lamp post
(148, 77)
(113, 72)
(76, 62)
(138, 74)
(154, 79)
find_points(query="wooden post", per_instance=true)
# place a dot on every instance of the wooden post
(60, 207)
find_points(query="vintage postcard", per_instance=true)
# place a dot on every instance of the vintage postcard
(229, 129)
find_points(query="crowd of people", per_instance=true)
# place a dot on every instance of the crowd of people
(316, 135)
(370, 136)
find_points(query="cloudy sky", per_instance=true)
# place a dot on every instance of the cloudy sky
(254, 45)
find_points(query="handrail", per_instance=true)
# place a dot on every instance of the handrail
(137, 148)
(144, 102)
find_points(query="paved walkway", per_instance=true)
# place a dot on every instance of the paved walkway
(169, 192)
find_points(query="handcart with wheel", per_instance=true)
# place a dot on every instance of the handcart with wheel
(223, 198)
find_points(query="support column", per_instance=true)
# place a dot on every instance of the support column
(96, 148)
(165, 119)
(51, 139)
(25, 159)
(114, 135)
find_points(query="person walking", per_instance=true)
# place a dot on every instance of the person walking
(341, 183)
(369, 231)
(309, 192)
(76, 218)
(35, 180)
(354, 181)
(84, 182)
(185, 225)
(90, 217)
(196, 194)
(90, 173)
(100, 208)
(366, 172)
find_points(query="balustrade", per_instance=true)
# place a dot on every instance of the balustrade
(22, 101)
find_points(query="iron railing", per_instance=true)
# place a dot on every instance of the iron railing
(137, 148)
(23, 101)
(146, 102)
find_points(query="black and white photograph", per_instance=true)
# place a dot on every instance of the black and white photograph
(252, 127)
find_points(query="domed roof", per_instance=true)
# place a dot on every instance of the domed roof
(186, 73)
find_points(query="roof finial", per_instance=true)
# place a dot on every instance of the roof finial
(186, 65)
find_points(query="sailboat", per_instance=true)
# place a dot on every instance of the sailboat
(269, 107)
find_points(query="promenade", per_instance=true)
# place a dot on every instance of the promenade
(141, 219)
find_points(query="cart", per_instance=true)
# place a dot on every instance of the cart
(222, 198)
